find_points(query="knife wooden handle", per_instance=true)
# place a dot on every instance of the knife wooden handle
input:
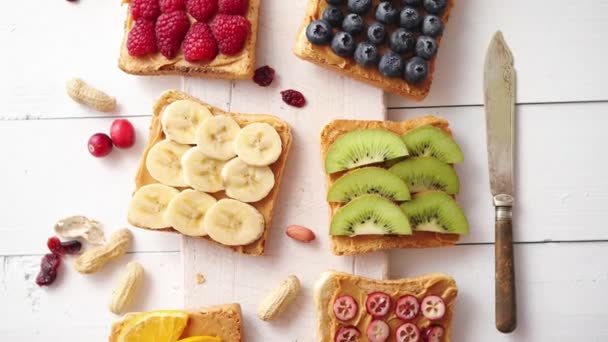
(506, 308)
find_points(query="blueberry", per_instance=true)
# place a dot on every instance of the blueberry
(376, 33)
(432, 26)
(386, 13)
(335, 2)
(409, 18)
(435, 6)
(402, 41)
(412, 2)
(366, 54)
(333, 16)
(319, 32)
(426, 47)
(343, 44)
(391, 64)
(416, 70)
(353, 24)
(359, 6)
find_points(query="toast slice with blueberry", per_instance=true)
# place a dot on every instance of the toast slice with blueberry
(265, 206)
(409, 309)
(239, 65)
(221, 321)
(323, 54)
(352, 243)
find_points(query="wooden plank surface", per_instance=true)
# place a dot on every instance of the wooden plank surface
(245, 279)
(556, 46)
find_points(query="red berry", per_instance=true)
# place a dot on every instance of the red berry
(142, 39)
(122, 133)
(60, 248)
(293, 98)
(167, 6)
(201, 10)
(100, 145)
(147, 9)
(263, 76)
(199, 43)
(233, 6)
(48, 269)
(231, 32)
(170, 31)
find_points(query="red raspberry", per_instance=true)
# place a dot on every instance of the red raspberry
(142, 40)
(263, 76)
(167, 6)
(147, 9)
(293, 98)
(231, 32)
(233, 6)
(199, 43)
(170, 31)
(201, 10)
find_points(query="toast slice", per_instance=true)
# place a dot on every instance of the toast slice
(240, 66)
(350, 245)
(264, 206)
(333, 284)
(223, 321)
(323, 56)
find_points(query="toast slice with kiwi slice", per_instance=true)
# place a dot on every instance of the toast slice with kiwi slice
(407, 298)
(345, 244)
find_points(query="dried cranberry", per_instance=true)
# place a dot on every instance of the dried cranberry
(293, 98)
(48, 269)
(57, 247)
(263, 76)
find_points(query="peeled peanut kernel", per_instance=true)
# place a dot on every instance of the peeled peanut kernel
(300, 233)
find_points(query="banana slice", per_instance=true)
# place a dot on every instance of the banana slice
(181, 119)
(186, 212)
(233, 223)
(201, 172)
(258, 144)
(247, 183)
(148, 206)
(215, 137)
(164, 162)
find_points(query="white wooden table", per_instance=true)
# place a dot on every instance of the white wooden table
(562, 191)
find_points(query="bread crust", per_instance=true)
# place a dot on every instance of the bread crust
(223, 321)
(332, 283)
(264, 206)
(323, 56)
(240, 66)
(351, 245)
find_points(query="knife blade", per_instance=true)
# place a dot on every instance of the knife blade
(499, 100)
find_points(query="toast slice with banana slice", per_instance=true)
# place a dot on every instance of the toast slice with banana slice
(219, 323)
(364, 243)
(204, 180)
(351, 308)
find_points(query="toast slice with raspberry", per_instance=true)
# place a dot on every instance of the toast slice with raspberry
(264, 206)
(222, 321)
(238, 66)
(403, 296)
(323, 56)
(351, 245)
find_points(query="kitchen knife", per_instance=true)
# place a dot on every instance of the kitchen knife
(499, 99)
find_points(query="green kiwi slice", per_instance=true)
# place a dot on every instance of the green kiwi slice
(363, 147)
(368, 180)
(430, 141)
(426, 173)
(370, 215)
(436, 211)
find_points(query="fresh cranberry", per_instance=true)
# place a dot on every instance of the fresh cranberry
(100, 145)
(48, 269)
(122, 133)
(69, 247)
